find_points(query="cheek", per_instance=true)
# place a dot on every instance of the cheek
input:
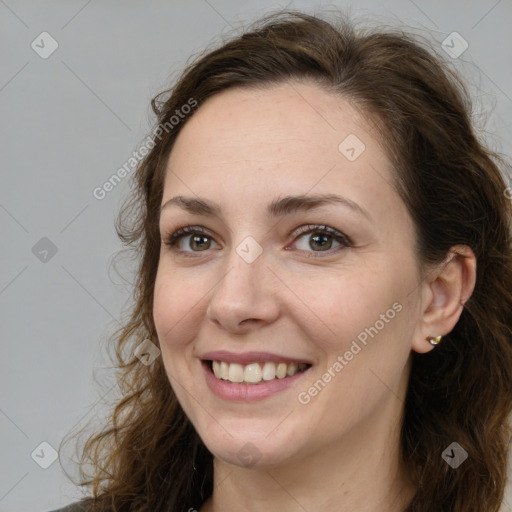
(344, 305)
(175, 306)
(176, 311)
(364, 358)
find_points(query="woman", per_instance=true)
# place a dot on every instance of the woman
(323, 309)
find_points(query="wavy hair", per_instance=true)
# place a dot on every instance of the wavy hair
(148, 456)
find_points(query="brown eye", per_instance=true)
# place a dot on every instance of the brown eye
(321, 239)
(198, 242)
(190, 239)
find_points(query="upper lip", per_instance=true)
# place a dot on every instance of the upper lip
(250, 357)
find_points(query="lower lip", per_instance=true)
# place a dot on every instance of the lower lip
(242, 392)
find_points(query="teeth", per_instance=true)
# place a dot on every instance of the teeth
(255, 372)
(292, 369)
(281, 370)
(224, 370)
(269, 371)
(252, 373)
(236, 373)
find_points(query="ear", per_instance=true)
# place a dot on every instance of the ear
(444, 293)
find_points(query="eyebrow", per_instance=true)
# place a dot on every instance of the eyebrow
(277, 208)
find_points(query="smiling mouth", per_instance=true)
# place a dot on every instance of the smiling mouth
(254, 373)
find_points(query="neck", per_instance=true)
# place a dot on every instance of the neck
(362, 472)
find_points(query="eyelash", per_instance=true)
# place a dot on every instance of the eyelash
(344, 240)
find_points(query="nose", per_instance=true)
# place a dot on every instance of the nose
(246, 296)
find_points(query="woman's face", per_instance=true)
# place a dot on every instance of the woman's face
(299, 261)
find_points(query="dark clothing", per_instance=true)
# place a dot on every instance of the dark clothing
(78, 506)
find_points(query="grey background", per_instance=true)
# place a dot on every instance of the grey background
(68, 123)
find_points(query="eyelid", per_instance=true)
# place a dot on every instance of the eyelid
(183, 231)
(322, 228)
(174, 238)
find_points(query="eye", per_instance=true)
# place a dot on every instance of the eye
(195, 239)
(320, 239)
(190, 239)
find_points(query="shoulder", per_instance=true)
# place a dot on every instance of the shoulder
(78, 506)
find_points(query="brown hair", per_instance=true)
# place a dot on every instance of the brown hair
(455, 193)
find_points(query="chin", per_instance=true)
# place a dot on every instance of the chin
(250, 449)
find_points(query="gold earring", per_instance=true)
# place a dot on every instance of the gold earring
(434, 340)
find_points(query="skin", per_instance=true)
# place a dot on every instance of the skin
(242, 149)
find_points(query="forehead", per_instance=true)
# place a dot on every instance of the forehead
(265, 120)
(250, 145)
